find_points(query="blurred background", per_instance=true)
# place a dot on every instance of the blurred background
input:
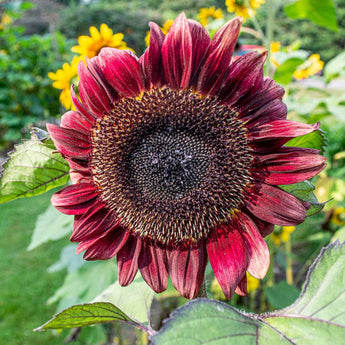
(41, 42)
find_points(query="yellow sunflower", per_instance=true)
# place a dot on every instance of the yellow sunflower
(243, 8)
(312, 66)
(64, 78)
(338, 216)
(90, 46)
(282, 235)
(205, 14)
(5, 20)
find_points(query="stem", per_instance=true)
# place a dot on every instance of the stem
(269, 33)
(289, 270)
(202, 292)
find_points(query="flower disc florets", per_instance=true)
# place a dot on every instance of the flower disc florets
(175, 167)
(176, 158)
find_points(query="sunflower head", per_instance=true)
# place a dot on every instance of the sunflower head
(176, 158)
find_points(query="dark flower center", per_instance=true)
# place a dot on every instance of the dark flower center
(171, 165)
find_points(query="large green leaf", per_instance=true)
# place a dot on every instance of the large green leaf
(85, 315)
(33, 168)
(315, 140)
(50, 226)
(321, 12)
(135, 300)
(317, 317)
(335, 67)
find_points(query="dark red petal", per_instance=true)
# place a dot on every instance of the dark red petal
(81, 109)
(257, 252)
(245, 74)
(274, 110)
(177, 54)
(75, 199)
(268, 93)
(105, 247)
(122, 71)
(92, 95)
(218, 57)
(70, 142)
(242, 287)
(275, 206)
(153, 267)
(76, 121)
(186, 269)
(264, 228)
(93, 223)
(277, 133)
(127, 260)
(93, 66)
(227, 254)
(200, 43)
(79, 172)
(288, 165)
(151, 60)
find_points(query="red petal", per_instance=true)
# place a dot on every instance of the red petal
(79, 171)
(186, 268)
(75, 199)
(151, 60)
(275, 206)
(200, 43)
(245, 74)
(177, 54)
(242, 287)
(122, 71)
(81, 109)
(288, 165)
(70, 142)
(227, 254)
(258, 254)
(94, 222)
(106, 247)
(76, 121)
(218, 57)
(127, 260)
(93, 96)
(152, 265)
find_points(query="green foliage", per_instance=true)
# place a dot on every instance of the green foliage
(26, 92)
(33, 168)
(335, 67)
(283, 73)
(281, 295)
(85, 315)
(321, 12)
(315, 318)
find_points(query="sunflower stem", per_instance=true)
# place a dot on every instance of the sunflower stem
(202, 292)
(269, 33)
(289, 269)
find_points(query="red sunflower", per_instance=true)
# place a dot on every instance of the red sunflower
(176, 158)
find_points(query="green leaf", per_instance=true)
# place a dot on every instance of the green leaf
(283, 73)
(321, 12)
(50, 226)
(135, 300)
(84, 315)
(317, 317)
(33, 168)
(303, 191)
(282, 294)
(335, 67)
(315, 140)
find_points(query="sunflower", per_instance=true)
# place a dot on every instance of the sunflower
(205, 14)
(90, 46)
(243, 8)
(176, 158)
(64, 78)
(310, 67)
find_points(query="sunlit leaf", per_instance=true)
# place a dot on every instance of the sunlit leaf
(33, 168)
(315, 140)
(317, 317)
(84, 315)
(50, 226)
(135, 299)
(335, 67)
(321, 12)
